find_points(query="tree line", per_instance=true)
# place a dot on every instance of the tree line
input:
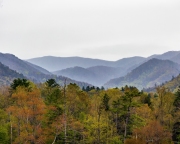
(48, 113)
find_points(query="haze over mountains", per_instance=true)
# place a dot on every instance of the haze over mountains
(99, 72)
(96, 75)
(137, 71)
(28, 70)
(52, 64)
(24, 69)
(58, 63)
(151, 73)
(7, 75)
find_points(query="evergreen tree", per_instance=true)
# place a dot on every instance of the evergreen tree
(177, 99)
(19, 82)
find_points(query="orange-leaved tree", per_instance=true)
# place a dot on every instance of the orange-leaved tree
(27, 115)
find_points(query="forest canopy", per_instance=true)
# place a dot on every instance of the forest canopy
(52, 114)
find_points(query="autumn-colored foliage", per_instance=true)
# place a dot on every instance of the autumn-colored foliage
(153, 132)
(27, 115)
(54, 114)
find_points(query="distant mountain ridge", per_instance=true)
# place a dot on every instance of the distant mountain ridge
(96, 75)
(42, 70)
(166, 56)
(77, 73)
(59, 63)
(96, 71)
(31, 71)
(52, 63)
(154, 71)
(27, 69)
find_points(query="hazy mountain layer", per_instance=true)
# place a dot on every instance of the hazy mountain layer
(96, 75)
(22, 67)
(42, 70)
(176, 58)
(148, 74)
(58, 63)
(7, 75)
(165, 56)
(170, 55)
(95, 71)
(31, 71)
(51, 63)
(78, 73)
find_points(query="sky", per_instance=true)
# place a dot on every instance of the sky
(103, 29)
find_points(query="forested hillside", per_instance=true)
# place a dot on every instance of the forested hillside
(53, 114)
(7, 75)
(22, 67)
(173, 84)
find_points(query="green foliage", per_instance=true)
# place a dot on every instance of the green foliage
(173, 84)
(89, 88)
(177, 99)
(51, 83)
(98, 116)
(176, 132)
(53, 96)
(116, 140)
(53, 99)
(4, 139)
(146, 99)
(20, 82)
(105, 102)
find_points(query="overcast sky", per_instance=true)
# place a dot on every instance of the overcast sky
(104, 29)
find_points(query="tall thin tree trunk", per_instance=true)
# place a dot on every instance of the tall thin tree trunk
(65, 122)
(116, 120)
(99, 130)
(54, 139)
(125, 129)
(11, 132)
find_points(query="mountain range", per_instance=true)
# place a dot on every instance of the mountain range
(136, 71)
(100, 72)
(96, 75)
(30, 71)
(52, 63)
(151, 73)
